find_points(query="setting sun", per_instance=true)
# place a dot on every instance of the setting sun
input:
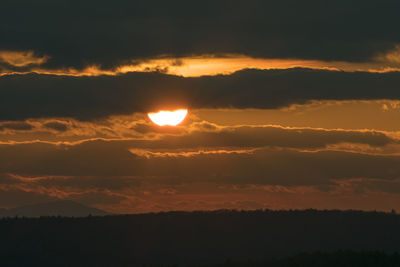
(171, 118)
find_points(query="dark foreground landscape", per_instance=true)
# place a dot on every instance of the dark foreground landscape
(233, 238)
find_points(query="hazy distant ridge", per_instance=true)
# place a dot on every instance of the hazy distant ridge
(63, 208)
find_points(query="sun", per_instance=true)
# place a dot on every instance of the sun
(166, 117)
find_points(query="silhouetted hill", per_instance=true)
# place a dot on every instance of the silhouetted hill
(64, 208)
(193, 238)
(318, 259)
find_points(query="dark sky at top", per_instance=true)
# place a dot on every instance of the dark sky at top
(108, 33)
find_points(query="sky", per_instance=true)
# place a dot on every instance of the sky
(291, 104)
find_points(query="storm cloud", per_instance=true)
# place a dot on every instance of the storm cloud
(78, 34)
(87, 98)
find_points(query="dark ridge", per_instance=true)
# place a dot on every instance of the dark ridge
(339, 258)
(194, 238)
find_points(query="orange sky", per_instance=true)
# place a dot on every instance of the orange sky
(128, 164)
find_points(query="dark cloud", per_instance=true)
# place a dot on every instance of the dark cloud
(248, 136)
(56, 125)
(85, 98)
(16, 126)
(273, 167)
(263, 166)
(76, 33)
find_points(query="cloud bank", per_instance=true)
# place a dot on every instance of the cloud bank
(76, 34)
(88, 98)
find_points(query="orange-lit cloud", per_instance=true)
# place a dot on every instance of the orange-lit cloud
(212, 65)
(149, 154)
(202, 65)
(21, 58)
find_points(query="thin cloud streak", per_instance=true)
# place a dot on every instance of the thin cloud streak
(151, 154)
(206, 65)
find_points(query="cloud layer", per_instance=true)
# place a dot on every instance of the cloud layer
(87, 98)
(76, 34)
(247, 167)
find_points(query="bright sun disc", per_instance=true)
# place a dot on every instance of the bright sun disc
(171, 118)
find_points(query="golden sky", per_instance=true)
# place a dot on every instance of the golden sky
(326, 154)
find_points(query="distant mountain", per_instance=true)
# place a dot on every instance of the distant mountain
(64, 208)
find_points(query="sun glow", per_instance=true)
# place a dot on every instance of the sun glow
(165, 117)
